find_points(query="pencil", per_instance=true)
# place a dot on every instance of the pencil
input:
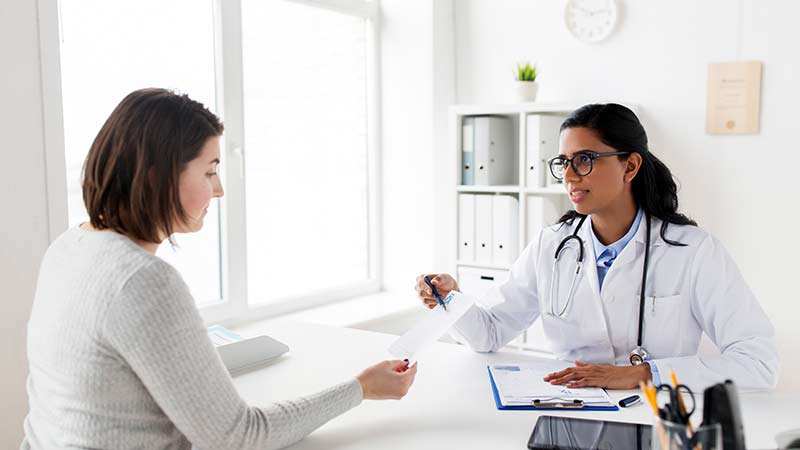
(649, 393)
(680, 399)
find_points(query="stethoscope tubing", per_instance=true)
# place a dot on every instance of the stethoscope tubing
(563, 312)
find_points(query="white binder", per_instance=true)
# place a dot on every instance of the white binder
(466, 227)
(541, 145)
(543, 211)
(494, 151)
(505, 229)
(478, 282)
(483, 229)
(468, 151)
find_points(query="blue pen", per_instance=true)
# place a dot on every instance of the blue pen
(435, 292)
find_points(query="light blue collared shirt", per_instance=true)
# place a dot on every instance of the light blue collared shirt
(606, 254)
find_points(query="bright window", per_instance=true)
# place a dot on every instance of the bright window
(295, 84)
(307, 172)
(109, 49)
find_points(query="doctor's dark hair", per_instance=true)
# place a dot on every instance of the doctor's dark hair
(132, 171)
(654, 188)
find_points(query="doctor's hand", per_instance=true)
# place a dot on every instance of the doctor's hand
(387, 380)
(600, 375)
(443, 282)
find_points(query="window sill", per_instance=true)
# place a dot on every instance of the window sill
(358, 311)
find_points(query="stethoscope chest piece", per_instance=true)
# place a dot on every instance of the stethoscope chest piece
(638, 356)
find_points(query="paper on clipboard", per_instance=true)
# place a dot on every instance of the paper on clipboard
(433, 326)
(519, 385)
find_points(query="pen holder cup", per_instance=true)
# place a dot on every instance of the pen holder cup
(676, 436)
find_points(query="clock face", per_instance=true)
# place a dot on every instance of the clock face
(590, 20)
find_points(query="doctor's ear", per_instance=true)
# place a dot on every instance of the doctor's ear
(632, 166)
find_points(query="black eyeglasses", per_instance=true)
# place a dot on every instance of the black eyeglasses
(582, 163)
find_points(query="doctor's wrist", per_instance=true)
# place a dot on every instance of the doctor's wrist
(645, 372)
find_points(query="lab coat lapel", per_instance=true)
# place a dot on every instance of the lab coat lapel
(589, 260)
(635, 248)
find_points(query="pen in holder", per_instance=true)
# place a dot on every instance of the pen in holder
(677, 436)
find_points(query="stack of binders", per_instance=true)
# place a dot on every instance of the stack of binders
(488, 228)
(541, 145)
(487, 151)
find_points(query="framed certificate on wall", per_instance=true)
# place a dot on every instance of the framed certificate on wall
(734, 98)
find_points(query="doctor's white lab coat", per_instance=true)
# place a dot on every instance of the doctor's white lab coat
(690, 290)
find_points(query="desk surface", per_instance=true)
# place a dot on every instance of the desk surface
(450, 404)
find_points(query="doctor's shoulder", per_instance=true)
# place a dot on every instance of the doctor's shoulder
(548, 238)
(540, 244)
(691, 240)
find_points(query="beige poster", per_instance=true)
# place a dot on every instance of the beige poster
(734, 98)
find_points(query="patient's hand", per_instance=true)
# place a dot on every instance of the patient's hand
(387, 380)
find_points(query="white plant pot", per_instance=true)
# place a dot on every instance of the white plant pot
(526, 90)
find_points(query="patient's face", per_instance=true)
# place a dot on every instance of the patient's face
(198, 185)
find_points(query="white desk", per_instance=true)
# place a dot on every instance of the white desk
(450, 404)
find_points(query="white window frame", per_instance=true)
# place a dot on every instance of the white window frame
(235, 307)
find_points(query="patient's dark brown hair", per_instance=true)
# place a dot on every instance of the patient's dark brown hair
(131, 174)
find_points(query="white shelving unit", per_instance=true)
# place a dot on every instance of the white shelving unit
(554, 193)
(518, 114)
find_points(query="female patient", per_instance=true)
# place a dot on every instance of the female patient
(119, 356)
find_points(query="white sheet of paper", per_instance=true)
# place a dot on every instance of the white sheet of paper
(433, 326)
(521, 384)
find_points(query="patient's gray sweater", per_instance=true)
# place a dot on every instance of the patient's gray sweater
(120, 359)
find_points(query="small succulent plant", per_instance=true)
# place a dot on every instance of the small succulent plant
(526, 72)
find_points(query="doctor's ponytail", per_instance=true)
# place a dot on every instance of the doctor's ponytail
(654, 188)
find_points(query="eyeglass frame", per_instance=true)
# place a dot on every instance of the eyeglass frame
(592, 156)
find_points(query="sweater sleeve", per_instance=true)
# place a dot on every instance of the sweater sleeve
(156, 329)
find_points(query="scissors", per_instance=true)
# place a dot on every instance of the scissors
(676, 410)
(435, 292)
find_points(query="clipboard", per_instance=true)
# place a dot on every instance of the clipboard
(583, 407)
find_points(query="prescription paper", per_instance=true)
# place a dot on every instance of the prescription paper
(433, 326)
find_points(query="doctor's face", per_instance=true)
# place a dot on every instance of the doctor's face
(606, 184)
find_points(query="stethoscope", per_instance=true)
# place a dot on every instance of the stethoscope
(639, 354)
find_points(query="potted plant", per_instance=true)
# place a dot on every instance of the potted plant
(526, 82)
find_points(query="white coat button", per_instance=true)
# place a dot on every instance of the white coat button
(609, 298)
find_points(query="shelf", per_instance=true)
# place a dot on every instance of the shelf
(483, 266)
(516, 108)
(490, 189)
(550, 190)
(562, 108)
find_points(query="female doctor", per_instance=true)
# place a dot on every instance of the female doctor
(625, 285)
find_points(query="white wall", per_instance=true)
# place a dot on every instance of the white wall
(24, 224)
(735, 186)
